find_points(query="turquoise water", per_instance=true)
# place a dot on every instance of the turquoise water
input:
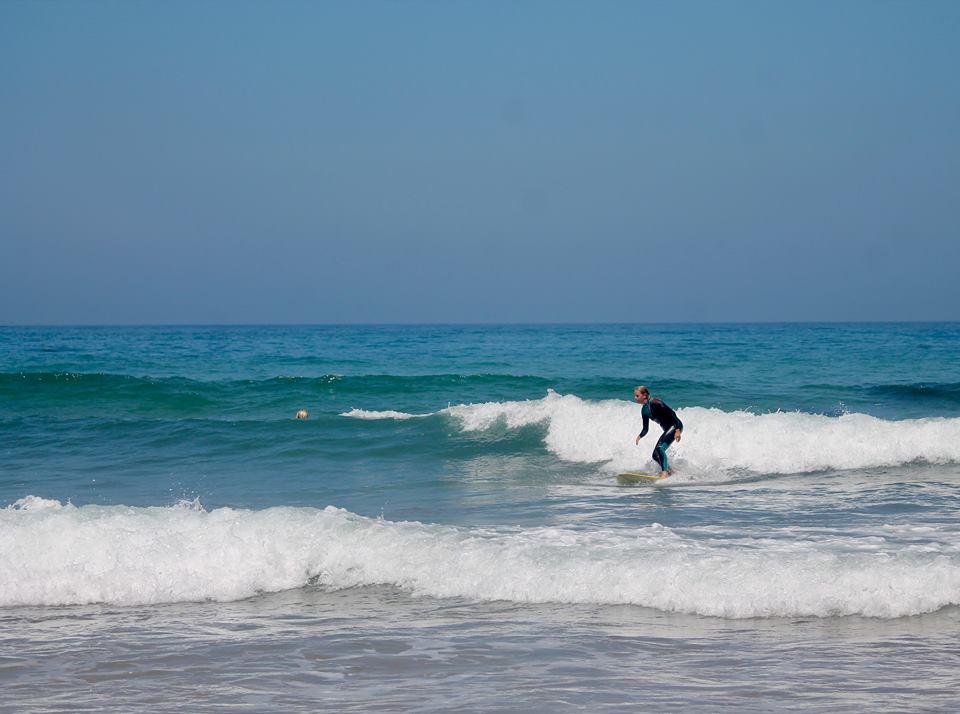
(449, 510)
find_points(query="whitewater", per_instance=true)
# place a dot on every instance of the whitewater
(64, 555)
(601, 431)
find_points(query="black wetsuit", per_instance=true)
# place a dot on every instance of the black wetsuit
(670, 423)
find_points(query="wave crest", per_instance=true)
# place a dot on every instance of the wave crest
(588, 431)
(61, 555)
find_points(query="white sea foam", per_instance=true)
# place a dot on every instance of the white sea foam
(714, 440)
(33, 503)
(123, 555)
(373, 415)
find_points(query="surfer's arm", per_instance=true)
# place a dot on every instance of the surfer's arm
(646, 425)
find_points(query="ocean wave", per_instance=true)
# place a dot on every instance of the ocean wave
(926, 391)
(588, 431)
(55, 554)
(103, 393)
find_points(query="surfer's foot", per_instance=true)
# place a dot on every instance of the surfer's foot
(664, 474)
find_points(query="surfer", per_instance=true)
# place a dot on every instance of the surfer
(664, 416)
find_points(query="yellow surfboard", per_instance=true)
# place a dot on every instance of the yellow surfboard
(633, 477)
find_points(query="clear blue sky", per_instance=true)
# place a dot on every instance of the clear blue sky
(327, 162)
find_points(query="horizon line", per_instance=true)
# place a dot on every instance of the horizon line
(467, 323)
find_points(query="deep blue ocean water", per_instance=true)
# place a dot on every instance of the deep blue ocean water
(448, 515)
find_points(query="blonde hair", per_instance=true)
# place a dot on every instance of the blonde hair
(642, 390)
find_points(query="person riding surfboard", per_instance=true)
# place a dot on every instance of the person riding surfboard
(656, 409)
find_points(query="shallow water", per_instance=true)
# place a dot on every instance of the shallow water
(379, 649)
